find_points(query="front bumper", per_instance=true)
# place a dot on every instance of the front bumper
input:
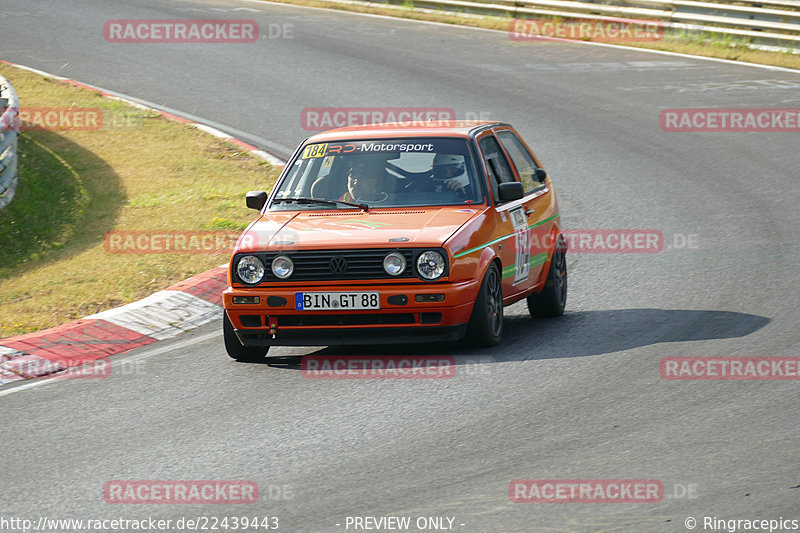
(274, 321)
(337, 337)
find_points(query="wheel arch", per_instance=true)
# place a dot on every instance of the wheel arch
(555, 233)
(488, 257)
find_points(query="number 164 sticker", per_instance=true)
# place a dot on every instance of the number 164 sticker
(522, 237)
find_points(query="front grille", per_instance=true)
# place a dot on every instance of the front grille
(366, 264)
(327, 265)
(346, 320)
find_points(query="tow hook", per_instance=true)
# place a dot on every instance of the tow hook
(273, 325)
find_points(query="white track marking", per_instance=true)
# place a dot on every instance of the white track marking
(162, 315)
(148, 352)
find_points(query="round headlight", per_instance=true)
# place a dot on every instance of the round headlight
(250, 269)
(282, 267)
(394, 263)
(430, 264)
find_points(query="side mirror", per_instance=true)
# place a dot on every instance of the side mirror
(540, 175)
(512, 190)
(256, 199)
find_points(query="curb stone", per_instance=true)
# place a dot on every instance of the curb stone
(181, 307)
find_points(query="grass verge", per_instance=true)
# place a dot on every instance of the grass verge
(701, 44)
(138, 171)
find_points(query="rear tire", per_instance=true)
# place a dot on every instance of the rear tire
(486, 323)
(553, 298)
(249, 354)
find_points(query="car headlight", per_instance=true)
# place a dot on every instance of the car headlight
(430, 264)
(250, 269)
(394, 263)
(282, 267)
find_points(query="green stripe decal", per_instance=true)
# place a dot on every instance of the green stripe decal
(482, 246)
(504, 237)
(536, 260)
(545, 221)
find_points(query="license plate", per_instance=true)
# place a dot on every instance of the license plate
(328, 301)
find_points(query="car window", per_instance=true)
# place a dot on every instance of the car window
(381, 173)
(496, 164)
(521, 158)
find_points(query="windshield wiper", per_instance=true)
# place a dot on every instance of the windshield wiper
(365, 207)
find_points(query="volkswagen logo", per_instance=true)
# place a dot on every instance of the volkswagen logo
(338, 264)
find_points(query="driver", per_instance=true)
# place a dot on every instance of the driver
(365, 181)
(447, 173)
(448, 167)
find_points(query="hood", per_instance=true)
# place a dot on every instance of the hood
(377, 228)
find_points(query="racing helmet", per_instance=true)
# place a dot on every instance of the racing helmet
(447, 166)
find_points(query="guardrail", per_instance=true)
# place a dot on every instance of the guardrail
(9, 109)
(765, 23)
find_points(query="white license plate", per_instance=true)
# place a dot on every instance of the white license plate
(328, 301)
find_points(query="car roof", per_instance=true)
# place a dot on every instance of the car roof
(394, 130)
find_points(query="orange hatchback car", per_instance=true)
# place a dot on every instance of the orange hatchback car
(388, 234)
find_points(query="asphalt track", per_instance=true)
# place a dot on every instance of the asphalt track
(578, 397)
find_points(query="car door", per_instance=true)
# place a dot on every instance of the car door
(511, 220)
(537, 203)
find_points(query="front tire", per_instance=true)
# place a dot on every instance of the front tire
(486, 322)
(553, 298)
(248, 354)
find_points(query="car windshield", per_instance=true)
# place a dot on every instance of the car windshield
(380, 173)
